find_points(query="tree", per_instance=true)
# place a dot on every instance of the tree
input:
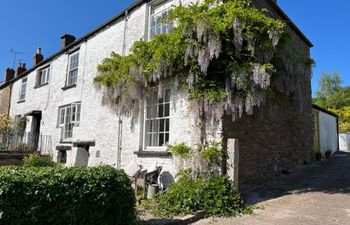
(332, 96)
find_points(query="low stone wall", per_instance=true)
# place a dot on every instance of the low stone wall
(12, 158)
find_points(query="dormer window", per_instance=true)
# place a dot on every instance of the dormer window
(157, 18)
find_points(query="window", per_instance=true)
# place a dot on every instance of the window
(69, 116)
(43, 76)
(23, 90)
(157, 121)
(158, 15)
(73, 69)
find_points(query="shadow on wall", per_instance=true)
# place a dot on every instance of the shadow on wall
(327, 176)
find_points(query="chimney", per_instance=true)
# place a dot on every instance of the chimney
(9, 74)
(21, 69)
(66, 40)
(38, 57)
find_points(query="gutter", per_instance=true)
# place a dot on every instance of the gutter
(128, 10)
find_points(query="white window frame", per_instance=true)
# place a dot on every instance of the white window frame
(152, 14)
(44, 75)
(68, 122)
(23, 89)
(73, 69)
(149, 144)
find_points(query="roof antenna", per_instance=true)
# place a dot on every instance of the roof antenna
(14, 56)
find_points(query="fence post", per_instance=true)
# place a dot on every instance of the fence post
(233, 160)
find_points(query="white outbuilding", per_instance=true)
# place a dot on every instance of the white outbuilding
(326, 138)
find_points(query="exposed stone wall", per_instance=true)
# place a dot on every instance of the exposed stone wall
(280, 133)
(5, 100)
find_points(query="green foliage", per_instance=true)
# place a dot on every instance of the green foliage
(20, 125)
(5, 124)
(56, 196)
(212, 193)
(182, 150)
(332, 96)
(213, 153)
(218, 50)
(344, 118)
(329, 85)
(35, 160)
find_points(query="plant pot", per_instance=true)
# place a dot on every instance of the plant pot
(328, 155)
(318, 156)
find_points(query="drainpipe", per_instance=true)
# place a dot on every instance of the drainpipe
(120, 124)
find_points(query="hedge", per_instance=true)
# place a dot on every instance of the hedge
(70, 196)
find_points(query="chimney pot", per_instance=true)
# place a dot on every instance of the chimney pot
(38, 57)
(9, 74)
(66, 40)
(21, 69)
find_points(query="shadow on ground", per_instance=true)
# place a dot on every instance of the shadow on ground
(326, 176)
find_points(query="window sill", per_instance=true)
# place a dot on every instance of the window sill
(69, 87)
(153, 154)
(19, 102)
(40, 85)
(65, 142)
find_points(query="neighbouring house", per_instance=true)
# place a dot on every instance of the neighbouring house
(59, 99)
(326, 137)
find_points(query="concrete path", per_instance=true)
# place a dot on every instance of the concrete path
(317, 194)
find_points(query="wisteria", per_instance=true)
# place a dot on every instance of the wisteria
(219, 52)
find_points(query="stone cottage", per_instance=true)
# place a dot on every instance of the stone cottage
(58, 97)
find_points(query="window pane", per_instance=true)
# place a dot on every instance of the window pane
(166, 138)
(167, 125)
(161, 126)
(167, 110)
(161, 139)
(161, 111)
(167, 95)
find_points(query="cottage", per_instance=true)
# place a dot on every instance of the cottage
(63, 106)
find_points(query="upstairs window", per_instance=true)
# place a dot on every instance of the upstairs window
(73, 68)
(157, 19)
(23, 90)
(157, 123)
(43, 76)
(69, 116)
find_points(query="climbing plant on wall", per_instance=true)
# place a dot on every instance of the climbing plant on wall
(222, 53)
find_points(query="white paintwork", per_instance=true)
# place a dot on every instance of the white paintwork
(344, 142)
(98, 123)
(328, 133)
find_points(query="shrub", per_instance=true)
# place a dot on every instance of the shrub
(213, 193)
(35, 160)
(72, 196)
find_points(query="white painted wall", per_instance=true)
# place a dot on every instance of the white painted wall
(328, 133)
(98, 123)
(344, 142)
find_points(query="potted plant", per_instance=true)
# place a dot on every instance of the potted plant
(328, 154)
(318, 156)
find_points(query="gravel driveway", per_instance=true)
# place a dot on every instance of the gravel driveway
(313, 194)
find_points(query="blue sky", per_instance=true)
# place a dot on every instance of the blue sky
(26, 25)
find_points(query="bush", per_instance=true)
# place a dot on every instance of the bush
(213, 193)
(35, 160)
(72, 196)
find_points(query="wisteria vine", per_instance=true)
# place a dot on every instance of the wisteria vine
(221, 52)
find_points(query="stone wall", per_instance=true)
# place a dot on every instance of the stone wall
(279, 135)
(5, 100)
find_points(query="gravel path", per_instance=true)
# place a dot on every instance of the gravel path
(316, 194)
